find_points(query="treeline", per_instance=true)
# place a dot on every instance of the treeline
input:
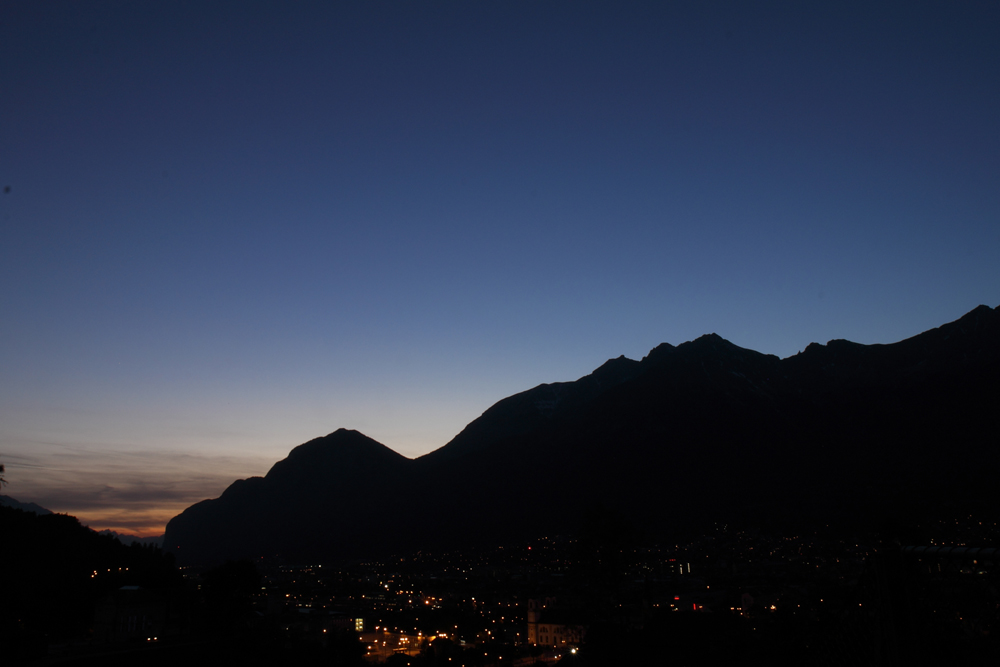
(55, 573)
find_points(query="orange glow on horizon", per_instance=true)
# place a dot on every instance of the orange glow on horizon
(139, 523)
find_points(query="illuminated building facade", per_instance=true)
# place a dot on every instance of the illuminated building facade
(551, 627)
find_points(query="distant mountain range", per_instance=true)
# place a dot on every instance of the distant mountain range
(868, 437)
(126, 539)
(7, 501)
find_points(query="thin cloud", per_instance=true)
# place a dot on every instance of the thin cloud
(135, 491)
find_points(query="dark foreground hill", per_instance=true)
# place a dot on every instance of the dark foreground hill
(56, 572)
(870, 436)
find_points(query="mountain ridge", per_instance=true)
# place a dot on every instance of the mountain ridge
(695, 422)
(7, 501)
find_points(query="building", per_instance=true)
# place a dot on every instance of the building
(549, 625)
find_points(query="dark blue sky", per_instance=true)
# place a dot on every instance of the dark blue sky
(234, 227)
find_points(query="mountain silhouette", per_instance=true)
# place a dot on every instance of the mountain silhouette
(7, 501)
(864, 436)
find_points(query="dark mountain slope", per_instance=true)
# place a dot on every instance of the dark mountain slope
(325, 494)
(702, 431)
(533, 409)
(652, 448)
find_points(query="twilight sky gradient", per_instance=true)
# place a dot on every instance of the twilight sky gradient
(235, 227)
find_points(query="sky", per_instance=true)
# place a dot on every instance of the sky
(227, 228)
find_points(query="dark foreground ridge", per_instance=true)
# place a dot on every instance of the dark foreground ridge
(865, 435)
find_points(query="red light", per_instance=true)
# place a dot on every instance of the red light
(677, 597)
(694, 607)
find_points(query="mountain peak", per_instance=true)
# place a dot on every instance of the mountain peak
(706, 343)
(616, 370)
(709, 346)
(659, 353)
(979, 316)
(714, 346)
(339, 444)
